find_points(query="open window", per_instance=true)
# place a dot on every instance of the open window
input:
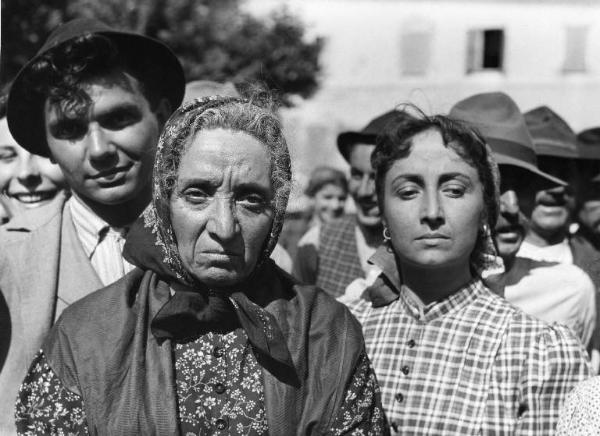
(485, 50)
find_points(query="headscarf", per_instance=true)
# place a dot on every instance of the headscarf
(151, 245)
(184, 123)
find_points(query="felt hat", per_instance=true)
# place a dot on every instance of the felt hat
(369, 134)
(498, 119)
(26, 111)
(551, 135)
(205, 88)
(588, 144)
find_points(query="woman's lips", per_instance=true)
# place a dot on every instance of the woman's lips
(33, 197)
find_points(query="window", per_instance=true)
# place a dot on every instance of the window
(576, 42)
(416, 51)
(485, 50)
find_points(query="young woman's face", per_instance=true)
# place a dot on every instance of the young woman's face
(329, 202)
(26, 180)
(433, 205)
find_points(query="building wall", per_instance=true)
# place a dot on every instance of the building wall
(364, 66)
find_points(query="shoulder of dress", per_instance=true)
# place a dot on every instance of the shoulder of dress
(103, 306)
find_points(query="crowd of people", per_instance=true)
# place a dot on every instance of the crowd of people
(151, 282)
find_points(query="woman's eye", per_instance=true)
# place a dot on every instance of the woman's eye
(8, 155)
(195, 195)
(252, 201)
(454, 191)
(407, 193)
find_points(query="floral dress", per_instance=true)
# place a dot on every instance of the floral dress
(219, 391)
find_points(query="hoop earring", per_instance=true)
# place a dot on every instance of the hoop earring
(386, 234)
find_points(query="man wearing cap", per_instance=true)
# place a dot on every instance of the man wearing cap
(334, 255)
(94, 100)
(587, 199)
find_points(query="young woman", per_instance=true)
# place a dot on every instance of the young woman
(451, 356)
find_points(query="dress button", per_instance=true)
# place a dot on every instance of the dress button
(405, 370)
(221, 424)
(219, 388)
(218, 352)
(411, 343)
(399, 397)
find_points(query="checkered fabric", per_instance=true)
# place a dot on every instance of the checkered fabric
(469, 364)
(338, 256)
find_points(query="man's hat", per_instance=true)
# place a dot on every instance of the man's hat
(588, 144)
(26, 116)
(551, 135)
(369, 134)
(498, 118)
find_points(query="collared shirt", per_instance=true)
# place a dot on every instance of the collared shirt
(468, 364)
(560, 252)
(554, 292)
(102, 243)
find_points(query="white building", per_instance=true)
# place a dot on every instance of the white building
(381, 53)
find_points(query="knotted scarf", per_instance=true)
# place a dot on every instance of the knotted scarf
(193, 308)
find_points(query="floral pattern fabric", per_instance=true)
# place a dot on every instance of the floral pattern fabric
(219, 391)
(219, 386)
(45, 406)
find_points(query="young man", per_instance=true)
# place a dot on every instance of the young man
(334, 255)
(94, 100)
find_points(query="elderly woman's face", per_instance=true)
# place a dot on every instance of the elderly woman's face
(433, 204)
(221, 206)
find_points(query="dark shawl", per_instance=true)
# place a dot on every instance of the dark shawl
(102, 349)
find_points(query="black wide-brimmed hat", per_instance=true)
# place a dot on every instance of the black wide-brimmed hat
(369, 134)
(26, 112)
(551, 135)
(498, 118)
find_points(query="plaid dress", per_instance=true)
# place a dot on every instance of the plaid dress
(468, 364)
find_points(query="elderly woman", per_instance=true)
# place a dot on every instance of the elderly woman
(451, 356)
(207, 335)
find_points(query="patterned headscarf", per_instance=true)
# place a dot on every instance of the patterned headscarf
(179, 130)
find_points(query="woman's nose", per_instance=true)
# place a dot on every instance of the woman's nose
(223, 222)
(28, 172)
(432, 210)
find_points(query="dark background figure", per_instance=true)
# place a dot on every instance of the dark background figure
(327, 191)
(334, 255)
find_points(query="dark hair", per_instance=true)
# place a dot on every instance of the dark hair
(61, 74)
(4, 100)
(322, 176)
(396, 143)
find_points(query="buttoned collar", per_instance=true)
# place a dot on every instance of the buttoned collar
(389, 288)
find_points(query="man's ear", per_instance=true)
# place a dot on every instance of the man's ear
(163, 111)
